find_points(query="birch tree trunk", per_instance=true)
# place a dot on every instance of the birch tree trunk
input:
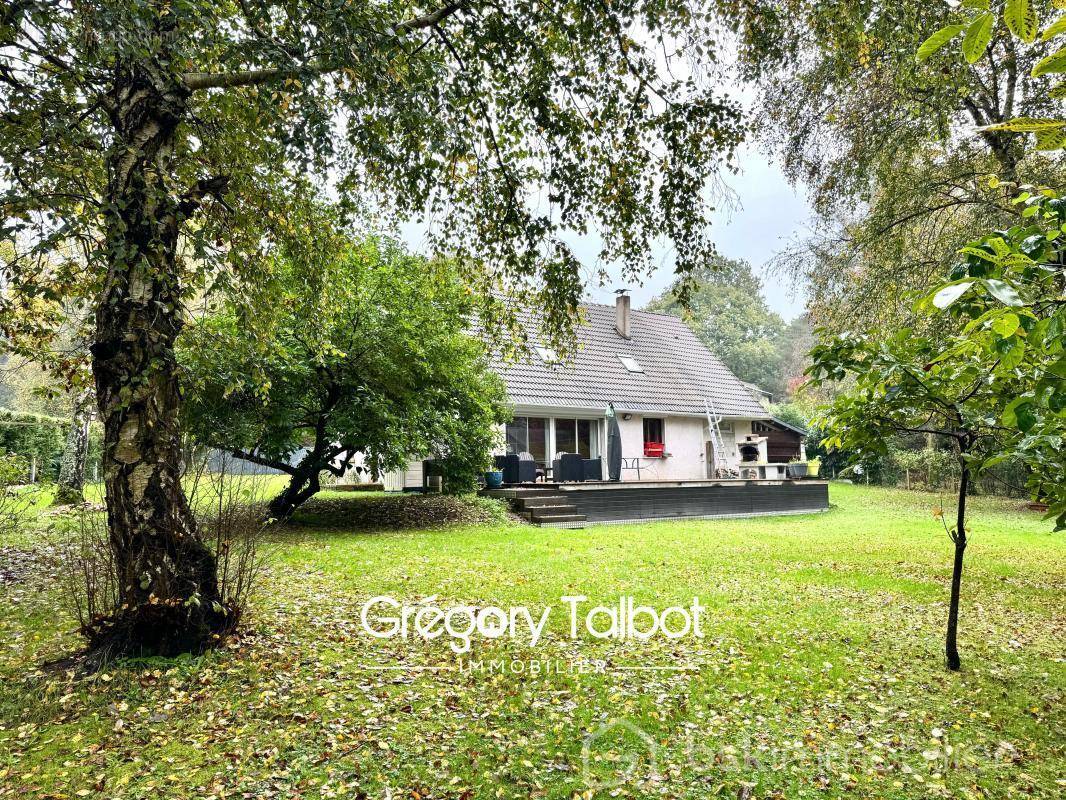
(169, 590)
(72, 467)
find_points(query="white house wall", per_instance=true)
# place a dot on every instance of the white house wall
(685, 444)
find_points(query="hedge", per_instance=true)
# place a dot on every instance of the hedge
(41, 438)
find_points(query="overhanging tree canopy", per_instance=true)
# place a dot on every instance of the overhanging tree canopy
(161, 137)
(883, 140)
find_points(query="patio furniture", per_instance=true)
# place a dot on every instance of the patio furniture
(593, 469)
(568, 467)
(516, 469)
(571, 467)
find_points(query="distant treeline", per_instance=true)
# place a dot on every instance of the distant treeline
(40, 440)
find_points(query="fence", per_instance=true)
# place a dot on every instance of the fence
(930, 469)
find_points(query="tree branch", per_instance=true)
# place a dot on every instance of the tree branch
(254, 77)
(431, 19)
(206, 187)
(281, 466)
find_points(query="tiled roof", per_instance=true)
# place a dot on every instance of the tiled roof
(679, 371)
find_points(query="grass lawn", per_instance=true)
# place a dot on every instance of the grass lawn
(819, 675)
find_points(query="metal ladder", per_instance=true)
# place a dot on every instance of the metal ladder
(717, 445)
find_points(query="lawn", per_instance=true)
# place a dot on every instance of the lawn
(819, 673)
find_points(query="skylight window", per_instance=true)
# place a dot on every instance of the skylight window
(630, 363)
(547, 354)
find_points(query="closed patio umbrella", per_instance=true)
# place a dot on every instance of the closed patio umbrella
(614, 445)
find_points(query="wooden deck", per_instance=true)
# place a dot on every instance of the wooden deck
(605, 502)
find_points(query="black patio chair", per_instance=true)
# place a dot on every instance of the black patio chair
(592, 469)
(568, 467)
(516, 469)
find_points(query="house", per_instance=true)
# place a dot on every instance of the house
(661, 381)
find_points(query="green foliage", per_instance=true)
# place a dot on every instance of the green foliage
(366, 354)
(927, 467)
(727, 312)
(978, 35)
(517, 123)
(16, 501)
(883, 141)
(1023, 23)
(938, 40)
(1021, 19)
(903, 385)
(792, 413)
(13, 468)
(1054, 29)
(1056, 62)
(33, 436)
(1012, 320)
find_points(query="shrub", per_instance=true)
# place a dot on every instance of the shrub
(35, 438)
(15, 499)
(230, 511)
(41, 439)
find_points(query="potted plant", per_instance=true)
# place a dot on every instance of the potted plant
(797, 468)
(493, 479)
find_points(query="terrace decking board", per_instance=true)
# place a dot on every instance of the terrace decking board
(634, 501)
(620, 503)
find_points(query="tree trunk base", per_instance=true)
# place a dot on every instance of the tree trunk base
(67, 496)
(160, 629)
(302, 487)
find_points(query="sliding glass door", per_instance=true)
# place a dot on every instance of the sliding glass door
(577, 436)
(529, 435)
(545, 438)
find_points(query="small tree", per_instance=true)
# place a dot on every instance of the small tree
(994, 382)
(903, 386)
(366, 355)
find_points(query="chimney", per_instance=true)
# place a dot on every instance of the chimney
(621, 313)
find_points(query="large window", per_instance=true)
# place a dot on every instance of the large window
(577, 436)
(528, 435)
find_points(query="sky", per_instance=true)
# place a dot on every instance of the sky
(769, 213)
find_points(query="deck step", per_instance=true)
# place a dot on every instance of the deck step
(540, 501)
(542, 519)
(554, 508)
(515, 493)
